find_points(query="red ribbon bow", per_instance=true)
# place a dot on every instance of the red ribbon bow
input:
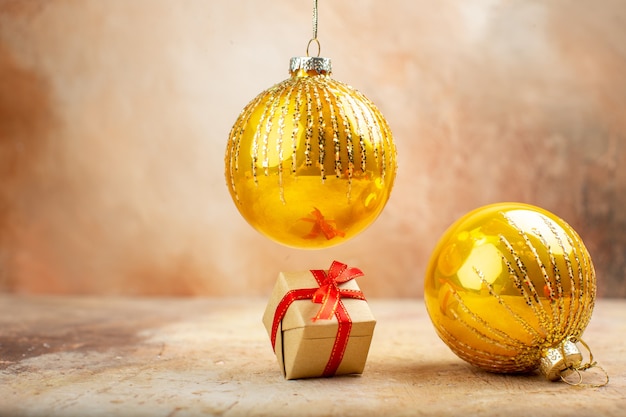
(329, 295)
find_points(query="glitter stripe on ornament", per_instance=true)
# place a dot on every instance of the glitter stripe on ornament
(528, 290)
(535, 256)
(545, 316)
(269, 124)
(297, 111)
(321, 130)
(349, 143)
(335, 129)
(358, 114)
(494, 361)
(309, 124)
(378, 131)
(570, 319)
(542, 268)
(553, 287)
(387, 134)
(279, 140)
(234, 145)
(516, 317)
(505, 341)
(586, 284)
(257, 134)
(484, 359)
(520, 287)
(504, 362)
(370, 123)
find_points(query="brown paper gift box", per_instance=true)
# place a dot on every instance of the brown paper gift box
(303, 347)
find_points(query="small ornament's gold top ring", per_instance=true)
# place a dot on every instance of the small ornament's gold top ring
(308, 45)
(570, 371)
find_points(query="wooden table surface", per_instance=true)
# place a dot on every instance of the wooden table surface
(88, 356)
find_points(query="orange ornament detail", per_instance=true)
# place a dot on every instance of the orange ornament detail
(321, 225)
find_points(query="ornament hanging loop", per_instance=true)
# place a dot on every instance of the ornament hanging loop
(570, 371)
(579, 368)
(579, 376)
(591, 362)
(565, 362)
(314, 38)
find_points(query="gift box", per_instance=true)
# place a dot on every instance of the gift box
(319, 322)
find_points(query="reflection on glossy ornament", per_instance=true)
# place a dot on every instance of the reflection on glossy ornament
(310, 162)
(510, 288)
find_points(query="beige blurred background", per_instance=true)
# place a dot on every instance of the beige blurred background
(114, 117)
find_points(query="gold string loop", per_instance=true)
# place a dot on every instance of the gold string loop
(579, 369)
(314, 38)
(565, 374)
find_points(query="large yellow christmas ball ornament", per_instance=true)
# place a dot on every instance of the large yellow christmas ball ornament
(510, 288)
(310, 162)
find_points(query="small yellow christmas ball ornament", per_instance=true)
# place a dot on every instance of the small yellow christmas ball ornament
(310, 162)
(510, 288)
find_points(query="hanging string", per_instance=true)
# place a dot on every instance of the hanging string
(314, 19)
(314, 38)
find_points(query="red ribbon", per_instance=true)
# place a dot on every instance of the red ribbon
(329, 296)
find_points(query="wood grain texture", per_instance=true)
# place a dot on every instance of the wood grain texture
(69, 356)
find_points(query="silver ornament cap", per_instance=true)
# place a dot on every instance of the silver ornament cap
(310, 64)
